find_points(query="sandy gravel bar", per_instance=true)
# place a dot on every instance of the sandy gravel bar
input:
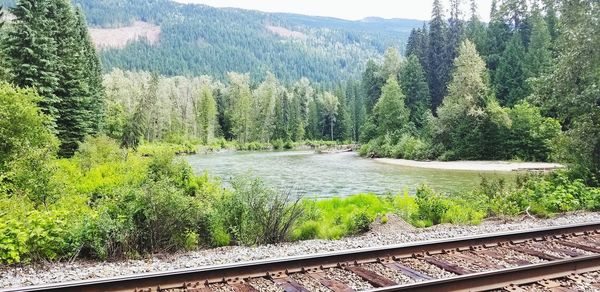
(394, 232)
(473, 165)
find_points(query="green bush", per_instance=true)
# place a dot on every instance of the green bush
(432, 206)
(308, 230)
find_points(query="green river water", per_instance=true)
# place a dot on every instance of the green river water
(327, 175)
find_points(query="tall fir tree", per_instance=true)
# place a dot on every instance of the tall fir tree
(415, 88)
(498, 35)
(418, 45)
(390, 114)
(538, 60)
(372, 82)
(476, 30)
(455, 31)
(30, 49)
(509, 80)
(438, 70)
(206, 115)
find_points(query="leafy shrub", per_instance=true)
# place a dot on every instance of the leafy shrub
(254, 214)
(308, 230)
(432, 206)
(360, 222)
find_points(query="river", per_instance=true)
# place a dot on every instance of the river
(327, 175)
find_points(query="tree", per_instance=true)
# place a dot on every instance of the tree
(390, 113)
(538, 60)
(414, 85)
(30, 53)
(26, 143)
(372, 82)
(391, 63)
(476, 30)
(241, 105)
(137, 124)
(572, 88)
(462, 115)
(418, 45)
(207, 115)
(331, 106)
(438, 70)
(498, 35)
(455, 31)
(266, 96)
(509, 80)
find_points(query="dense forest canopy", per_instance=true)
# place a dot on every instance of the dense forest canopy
(198, 39)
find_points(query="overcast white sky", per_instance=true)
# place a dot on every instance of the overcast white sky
(346, 9)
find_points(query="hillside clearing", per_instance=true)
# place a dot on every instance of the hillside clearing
(119, 37)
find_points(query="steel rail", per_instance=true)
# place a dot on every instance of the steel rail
(262, 268)
(502, 278)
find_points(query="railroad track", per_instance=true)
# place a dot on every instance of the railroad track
(565, 258)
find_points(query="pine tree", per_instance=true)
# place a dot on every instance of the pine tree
(390, 113)
(137, 125)
(95, 101)
(391, 63)
(207, 115)
(476, 30)
(414, 85)
(418, 45)
(551, 18)
(498, 35)
(438, 69)
(538, 59)
(30, 49)
(372, 82)
(266, 96)
(509, 80)
(455, 31)
(240, 111)
(74, 120)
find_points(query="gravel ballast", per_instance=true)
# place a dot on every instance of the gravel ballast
(394, 232)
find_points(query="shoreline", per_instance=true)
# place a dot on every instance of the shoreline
(495, 166)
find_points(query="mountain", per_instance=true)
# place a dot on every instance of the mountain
(179, 39)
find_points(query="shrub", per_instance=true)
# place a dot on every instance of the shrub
(308, 230)
(360, 222)
(432, 206)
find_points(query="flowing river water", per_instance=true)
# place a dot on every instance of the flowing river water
(327, 175)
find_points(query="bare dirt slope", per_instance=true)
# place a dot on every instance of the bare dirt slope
(121, 36)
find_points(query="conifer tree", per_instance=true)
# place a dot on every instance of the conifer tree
(372, 82)
(30, 49)
(455, 31)
(509, 80)
(207, 115)
(438, 70)
(240, 111)
(418, 45)
(538, 59)
(498, 35)
(331, 106)
(476, 30)
(414, 85)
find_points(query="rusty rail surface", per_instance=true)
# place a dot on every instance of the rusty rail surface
(197, 279)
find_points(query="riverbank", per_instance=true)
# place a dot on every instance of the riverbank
(395, 231)
(504, 166)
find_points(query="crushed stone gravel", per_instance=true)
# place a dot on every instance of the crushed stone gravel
(394, 233)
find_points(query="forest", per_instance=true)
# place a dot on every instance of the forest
(84, 171)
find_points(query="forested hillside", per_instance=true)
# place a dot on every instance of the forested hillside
(198, 39)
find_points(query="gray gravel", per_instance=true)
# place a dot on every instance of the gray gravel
(393, 232)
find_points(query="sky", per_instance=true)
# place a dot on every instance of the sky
(347, 9)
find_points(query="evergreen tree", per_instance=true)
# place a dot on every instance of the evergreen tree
(30, 49)
(551, 18)
(418, 45)
(455, 31)
(498, 35)
(390, 114)
(509, 81)
(207, 115)
(372, 82)
(73, 91)
(93, 74)
(438, 70)
(538, 59)
(414, 85)
(266, 96)
(137, 125)
(240, 111)
(476, 30)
